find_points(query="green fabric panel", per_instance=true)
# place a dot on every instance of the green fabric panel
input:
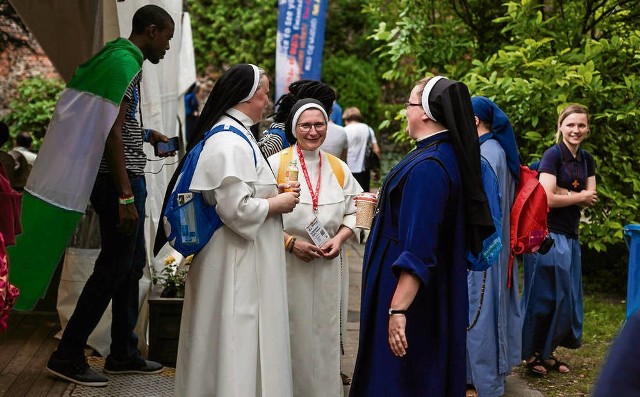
(108, 73)
(46, 231)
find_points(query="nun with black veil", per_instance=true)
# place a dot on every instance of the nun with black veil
(432, 211)
(234, 335)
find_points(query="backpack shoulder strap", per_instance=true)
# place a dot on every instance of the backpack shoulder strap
(285, 158)
(336, 167)
(229, 127)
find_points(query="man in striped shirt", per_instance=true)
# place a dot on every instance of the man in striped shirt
(118, 197)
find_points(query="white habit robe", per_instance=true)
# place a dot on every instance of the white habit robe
(234, 339)
(315, 288)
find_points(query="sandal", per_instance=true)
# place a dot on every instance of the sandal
(346, 381)
(536, 366)
(557, 365)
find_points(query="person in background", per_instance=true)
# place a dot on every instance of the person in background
(327, 194)
(4, 133)
(336, 110)
(191, 110)
(335, 141)
(10, 201)
(495, 331)
(326, 95)
(234, 339)
(24, 159)
(432, 211)
(118, 197)
(7, 162)
(275, 139)
(360, 138)
(552, 295)
(24, 143)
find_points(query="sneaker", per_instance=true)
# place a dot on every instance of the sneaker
(76, 371)
(134, 365)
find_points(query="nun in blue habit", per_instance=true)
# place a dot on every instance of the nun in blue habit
(432, 210)
(494, 339)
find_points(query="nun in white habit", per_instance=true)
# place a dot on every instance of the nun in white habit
(315, 268)
(234, 336)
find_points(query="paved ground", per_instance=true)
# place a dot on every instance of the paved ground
(515, 387)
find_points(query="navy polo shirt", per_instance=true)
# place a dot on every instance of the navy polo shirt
(571, 173)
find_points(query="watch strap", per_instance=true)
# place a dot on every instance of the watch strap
(397, 311)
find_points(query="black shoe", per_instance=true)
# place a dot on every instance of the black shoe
(135, 365)
(76, 371)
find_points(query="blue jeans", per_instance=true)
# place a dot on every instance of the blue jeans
(115, 276)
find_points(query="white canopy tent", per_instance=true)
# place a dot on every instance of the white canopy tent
(70, 32)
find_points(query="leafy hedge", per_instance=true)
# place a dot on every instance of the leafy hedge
(533, 79)
(553, 54)
(33, 106)
(357, 85)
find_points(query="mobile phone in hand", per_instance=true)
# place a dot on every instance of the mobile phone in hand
(162, 148)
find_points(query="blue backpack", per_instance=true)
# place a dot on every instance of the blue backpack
(189, 222)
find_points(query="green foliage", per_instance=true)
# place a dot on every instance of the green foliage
(606, 271)
(227, 32)
(346, 30)
(416, 40)
(540, 73)
(33, 106)
(548, 54)
(357, 85)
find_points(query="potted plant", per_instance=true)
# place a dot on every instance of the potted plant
(172, 277)
(165, 310)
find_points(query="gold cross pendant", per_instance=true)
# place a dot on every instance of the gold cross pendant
(575, 184)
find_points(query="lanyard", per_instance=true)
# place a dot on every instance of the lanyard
(305, 172)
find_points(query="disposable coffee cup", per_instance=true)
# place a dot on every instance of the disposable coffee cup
(365, 207)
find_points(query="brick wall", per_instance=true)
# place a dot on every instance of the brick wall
(17, 63)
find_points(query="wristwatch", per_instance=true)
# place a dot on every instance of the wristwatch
(397, 311)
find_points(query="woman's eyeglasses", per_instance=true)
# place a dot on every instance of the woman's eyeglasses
(306, 127)
(409, 104)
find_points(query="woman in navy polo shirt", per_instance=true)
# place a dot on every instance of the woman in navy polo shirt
(552, 297)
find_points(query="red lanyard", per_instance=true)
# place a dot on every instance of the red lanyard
(314, 195)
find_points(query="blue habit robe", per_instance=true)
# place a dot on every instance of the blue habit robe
(419, 229)
(494, 343)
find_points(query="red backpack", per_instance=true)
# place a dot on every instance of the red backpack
(528, 216)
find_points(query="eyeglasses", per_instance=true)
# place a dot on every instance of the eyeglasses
(306, 127)
(409, 104)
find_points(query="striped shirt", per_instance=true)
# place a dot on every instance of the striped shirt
(273, 140)
(132, 135)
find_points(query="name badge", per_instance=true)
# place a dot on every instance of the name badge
(317, 232)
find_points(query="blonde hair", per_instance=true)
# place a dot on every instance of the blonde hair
(566, 112)
(422, 83)
(352, 114)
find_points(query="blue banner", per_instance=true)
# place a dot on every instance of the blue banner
(300, 41)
